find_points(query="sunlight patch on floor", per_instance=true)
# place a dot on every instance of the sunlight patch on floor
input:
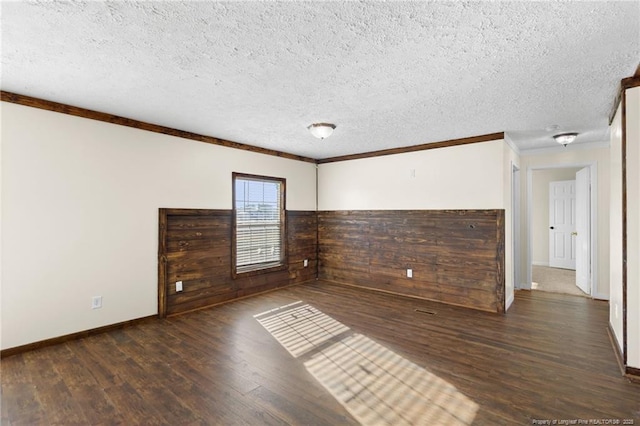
(299, 327)
(375, 385)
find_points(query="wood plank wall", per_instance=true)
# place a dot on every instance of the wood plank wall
(457, 256)
(195, 248)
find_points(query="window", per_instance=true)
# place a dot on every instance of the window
(258, 239)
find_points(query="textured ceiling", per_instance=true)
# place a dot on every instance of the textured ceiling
(388, 74)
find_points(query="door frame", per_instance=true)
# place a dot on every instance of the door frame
(554, 261)
(593, 180)
(583, 226)
(515, 228)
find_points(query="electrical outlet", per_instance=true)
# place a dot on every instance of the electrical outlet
(306, 262)
(178, 286)
(409, 273)
(96, 302)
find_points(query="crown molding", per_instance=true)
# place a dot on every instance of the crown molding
(128, 122)
(413, 148)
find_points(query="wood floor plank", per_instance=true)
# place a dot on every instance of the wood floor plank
(59, 406)
(549, 357)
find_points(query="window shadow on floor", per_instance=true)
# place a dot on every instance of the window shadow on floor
(373, 383)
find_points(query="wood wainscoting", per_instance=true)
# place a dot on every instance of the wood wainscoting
(456, 256)
(195, 248)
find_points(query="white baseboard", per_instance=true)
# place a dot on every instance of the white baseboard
(536, 263)
(524, 286)
(509, 302)
(601, 296)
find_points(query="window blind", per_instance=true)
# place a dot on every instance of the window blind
(258, 208)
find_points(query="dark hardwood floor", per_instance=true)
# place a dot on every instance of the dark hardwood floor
(549, 358)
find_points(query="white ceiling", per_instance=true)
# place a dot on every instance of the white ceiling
(388, 74)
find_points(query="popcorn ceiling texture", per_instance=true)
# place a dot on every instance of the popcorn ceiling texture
(387, 74)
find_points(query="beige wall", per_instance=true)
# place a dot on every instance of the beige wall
(615, 229)
(540, 210)
(574, 157)
(476, 176)
(633, 226)
(80, 198)
(460, 177)
(80, 203)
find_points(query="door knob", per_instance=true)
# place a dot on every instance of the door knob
(551, 227)
(574, 233)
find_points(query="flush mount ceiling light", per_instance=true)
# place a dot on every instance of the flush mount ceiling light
(321, 130)
(565, 138)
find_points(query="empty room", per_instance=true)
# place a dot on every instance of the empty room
(320, 213)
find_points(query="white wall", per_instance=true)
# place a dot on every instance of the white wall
(475, 176)
(540, 210)
(633, 226)
(80, 203)
(615, 229)
(510, 160)
(574, 157)
(460, 177)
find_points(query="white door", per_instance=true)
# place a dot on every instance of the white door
(562, 202)
(583, 234)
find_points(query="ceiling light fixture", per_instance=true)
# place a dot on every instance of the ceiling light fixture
(321, 130)
(565, 138)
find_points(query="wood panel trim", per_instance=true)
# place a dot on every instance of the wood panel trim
(409, 296)
(500, 262)
(624, 226)
(128, 122)
(421, 147)
(163, 214)
(162, 263)
(44, 104)
(198, 252)
(195, 212)
(621, 100)
(372, 249)
(235, 299)
(625, 83)
(632, 374)
(630, 82)
(317, 225)
(616, 103)
(74, 336)
(483, 212)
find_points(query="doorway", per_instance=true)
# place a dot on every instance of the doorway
(515, 233)
(542, 272)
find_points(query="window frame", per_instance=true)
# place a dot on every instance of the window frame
(283, 261)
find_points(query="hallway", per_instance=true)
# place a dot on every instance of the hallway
(555, 280)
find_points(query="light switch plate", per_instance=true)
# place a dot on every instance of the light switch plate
(409, 273)
(178, 285)
(96, 302)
